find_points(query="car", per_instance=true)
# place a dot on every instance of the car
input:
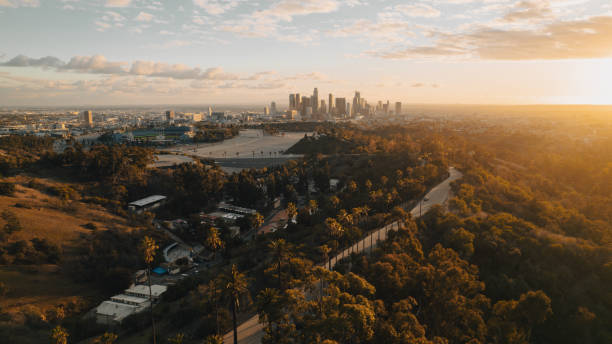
(425, 199)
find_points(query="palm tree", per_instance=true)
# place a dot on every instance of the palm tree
(280, 248)
(267, 305)
(59, 335)
(213, 296)
(214, 339)
(213, 241)
(177, 339)
(291, 210)
(312, 206)
(106, 338)
(334, 228)
(345, 218)
(149, 248)
(325, 250)
(234, 286)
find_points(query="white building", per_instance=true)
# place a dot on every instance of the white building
(143, 291)
(135, 300)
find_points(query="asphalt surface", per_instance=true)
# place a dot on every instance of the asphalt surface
(251, 331)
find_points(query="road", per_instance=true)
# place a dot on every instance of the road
(251, 331)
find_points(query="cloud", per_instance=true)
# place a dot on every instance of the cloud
(19, 3)
(529, 10)
(418, 10)
(391, 30)
(94, 64)
(144, 17)
(98, 64)
(286, 9)
(574, 39)
(118, 3)
(24, 61)
(216, 7)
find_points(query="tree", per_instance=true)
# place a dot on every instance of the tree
(106, 338)
(280, 250)
(214, 339)
(149, 248)
(213, 241)
(234, 286)
(291, 210)
(177, 339)
(313, 206)
(325, 250)
(12, 222)
(267, 305)
(59, 335)
(334, 228)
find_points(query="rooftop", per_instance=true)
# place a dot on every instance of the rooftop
(156, 290)
(118, 311)
(148, 200)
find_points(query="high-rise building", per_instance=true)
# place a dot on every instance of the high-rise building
(305, 103)
(356, 102)
(348, 109)
(87, 118)
(292, 102)
(314, 101)
(386, 108)
(331, 104)
(323, 107)
(209, 112)
(341, 107)
(169, 115)
(273, 108)
(398, 108)
(298, 102)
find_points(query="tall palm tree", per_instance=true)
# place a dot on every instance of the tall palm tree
(234, 286)
(212, 295)
(149, 248)
(267, 305)
(280, 249)
(213, 241)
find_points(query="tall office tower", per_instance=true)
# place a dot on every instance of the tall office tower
(210, 112)
(348, 109)
(341, 107)
(314, 101)
(331, 104)
(398, 108)
(292, 101)
(379, 106)
(169, 115)
(305, 103)
(323, 107)
(386, 108)
(356, 101)
(298, 102)
(273, 108)
(87, 119)
(266, 111)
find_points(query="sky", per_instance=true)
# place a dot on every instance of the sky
(136, 52)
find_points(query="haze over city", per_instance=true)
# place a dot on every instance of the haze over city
(129, 52)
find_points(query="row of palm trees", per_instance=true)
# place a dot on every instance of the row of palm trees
(230, 286)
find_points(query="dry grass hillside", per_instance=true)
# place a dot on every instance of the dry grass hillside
(41, 288)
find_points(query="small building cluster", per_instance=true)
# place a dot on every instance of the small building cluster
(133, 300)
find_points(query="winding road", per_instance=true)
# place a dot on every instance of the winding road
(251, 331)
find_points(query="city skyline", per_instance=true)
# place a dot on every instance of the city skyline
(122, 52)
